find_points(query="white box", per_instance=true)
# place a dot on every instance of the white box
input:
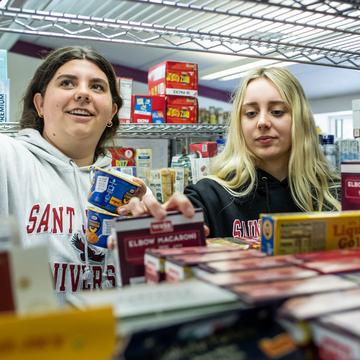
(125, 90)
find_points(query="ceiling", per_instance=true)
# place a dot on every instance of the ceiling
(318, 80)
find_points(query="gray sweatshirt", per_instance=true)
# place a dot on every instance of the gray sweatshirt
(47, 193)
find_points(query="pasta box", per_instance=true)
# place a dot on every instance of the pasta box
(137, 234)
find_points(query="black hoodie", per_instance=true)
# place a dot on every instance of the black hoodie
(227, 215)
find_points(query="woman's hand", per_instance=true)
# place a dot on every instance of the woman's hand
(149, 205)
(145, 203)
(141, 191)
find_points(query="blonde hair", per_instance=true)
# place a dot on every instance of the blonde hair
(312, 183)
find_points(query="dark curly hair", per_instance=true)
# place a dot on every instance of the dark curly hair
(46, 71)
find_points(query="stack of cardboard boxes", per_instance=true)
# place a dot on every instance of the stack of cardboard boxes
(173, 90)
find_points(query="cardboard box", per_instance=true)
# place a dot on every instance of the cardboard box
(125, 91)
(135, 235)
(205, 148)
(337, 336)
(292, 233)
(122, 156)
(249, 260)
(173, 78)
(26, 282)
(350, 185)
(180, 267)
(143, 163)
(181, 110)
(257, 276)
(155, 259)
(296, 315)
(262, 293)
(147, 109)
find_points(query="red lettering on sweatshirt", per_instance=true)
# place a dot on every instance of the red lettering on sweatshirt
(32, 218)
(58, 220)
(74, 272)
(44, 222)
(45, 218)
(254, 228)
(251, 228)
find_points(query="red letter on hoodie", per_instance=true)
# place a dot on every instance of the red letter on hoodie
(58, 220)
(70, 211)
(44, 222)
(33, 218)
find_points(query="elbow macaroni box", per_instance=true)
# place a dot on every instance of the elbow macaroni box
(292, 233)
(350, 185)
(135, 235)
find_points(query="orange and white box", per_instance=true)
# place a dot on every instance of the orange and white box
(173, 78)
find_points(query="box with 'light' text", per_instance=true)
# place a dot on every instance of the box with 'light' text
(293, 233)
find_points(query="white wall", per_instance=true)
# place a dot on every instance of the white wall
(20, 69)
(334, 104)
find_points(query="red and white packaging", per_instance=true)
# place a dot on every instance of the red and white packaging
(256, 260)
(337, 336)
(173, 78)
(257, 276)
(135, 235)
(125, 91)
(122, 156)
(148, 109)
(205, 149)
(280, 290)
(350, 184)
(181, 110)
(338, 265)
(155, 259)
(180, 267)
(158, 109)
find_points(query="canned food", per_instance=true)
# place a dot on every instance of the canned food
(111, 189)
(98, 226)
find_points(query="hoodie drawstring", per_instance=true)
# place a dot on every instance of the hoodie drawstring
(87, 274)
(267, 193)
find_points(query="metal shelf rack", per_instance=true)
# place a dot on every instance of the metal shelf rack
(165, 131)
(308, 31)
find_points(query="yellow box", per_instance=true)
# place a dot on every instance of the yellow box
(292, 233)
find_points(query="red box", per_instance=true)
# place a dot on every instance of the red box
(205, 149)
(7, 301)
(173, 78)
(350, 184)
(136, 234)
(122, 156)
(181, 110)
(147, 109)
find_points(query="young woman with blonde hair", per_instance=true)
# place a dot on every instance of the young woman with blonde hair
(272, 161)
